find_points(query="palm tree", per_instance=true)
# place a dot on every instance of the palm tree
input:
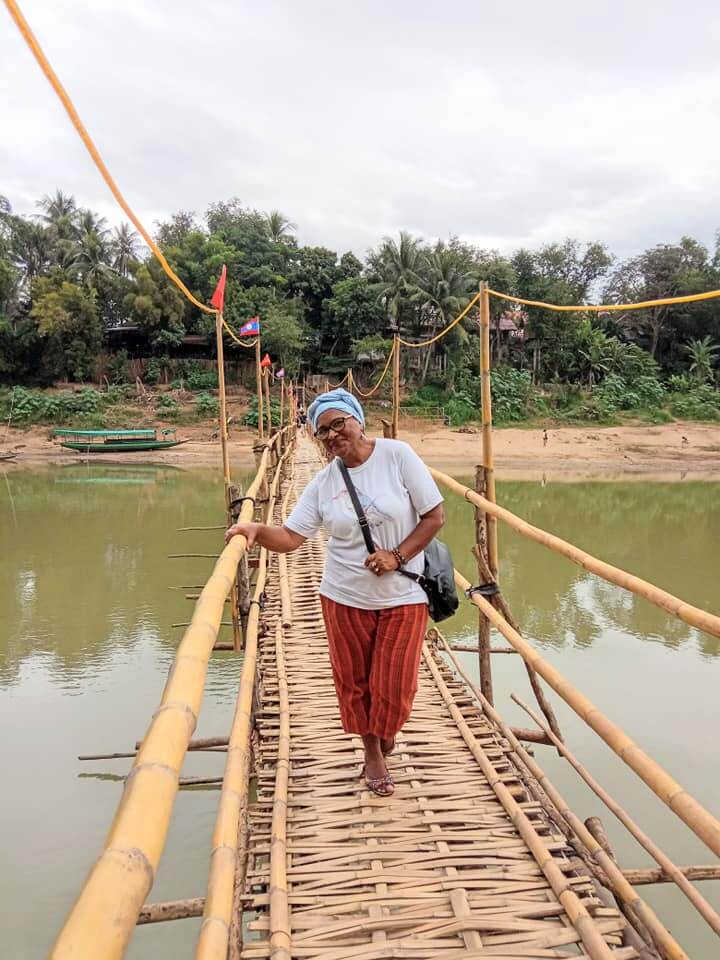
(598, 354)
(445, 291)
(703, 354)
(399, 266)
(33, 248)
(278, 226)
(124, 248)
(59, 206)
(90, 222)
(92, 257)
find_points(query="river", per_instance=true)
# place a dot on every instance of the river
(88, 599)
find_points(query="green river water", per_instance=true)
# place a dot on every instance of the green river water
(86, 639)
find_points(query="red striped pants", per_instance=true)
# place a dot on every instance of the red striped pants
(375, 657)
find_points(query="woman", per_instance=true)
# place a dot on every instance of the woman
(374, 617)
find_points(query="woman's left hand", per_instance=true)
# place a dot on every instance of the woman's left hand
(380, 562)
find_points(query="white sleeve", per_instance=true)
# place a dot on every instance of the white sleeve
(424, 492)
(305, 518)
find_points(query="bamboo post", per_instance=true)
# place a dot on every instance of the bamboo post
(282, 402)
(484, 660)
(396, 386)
(237, 632)
(280, 946)
(268, 408)
(488, 461)
(258, 377)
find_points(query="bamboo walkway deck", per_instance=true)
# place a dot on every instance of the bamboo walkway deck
(462, 860)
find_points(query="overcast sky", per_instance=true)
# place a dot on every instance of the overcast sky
(507, 123)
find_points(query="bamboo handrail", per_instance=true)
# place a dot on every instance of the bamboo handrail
(673, 872)
(693, 616)
(217, 912)
(103, 918)
(661, 935)
(280, 946)
(217, 916)
(682, 803)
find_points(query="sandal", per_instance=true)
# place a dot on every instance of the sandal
(380, 786)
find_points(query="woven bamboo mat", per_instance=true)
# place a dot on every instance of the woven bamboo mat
(437, 870)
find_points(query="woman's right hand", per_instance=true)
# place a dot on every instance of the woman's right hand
(247, 530)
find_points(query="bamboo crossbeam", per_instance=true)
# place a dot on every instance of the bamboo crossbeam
(662, 937)
(693, 616)
(667, 867)
(103, 918)
(657, 875)
(171, 910)
(682, 803)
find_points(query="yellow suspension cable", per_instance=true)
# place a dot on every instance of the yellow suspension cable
(601, 308)
(52, 77)
(447, 329)
(382, 376)
(334, 386)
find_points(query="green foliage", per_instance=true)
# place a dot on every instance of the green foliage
(207, 406)
(34, 406)
(118, 367)
(700, 403)
(512, 394)
(167, 406)
(192, 375)
(373, 347)
(251, 417)
(616, 393)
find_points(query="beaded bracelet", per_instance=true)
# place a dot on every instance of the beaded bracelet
(399, 557)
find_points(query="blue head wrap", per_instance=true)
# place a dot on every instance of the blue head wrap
(335, 400)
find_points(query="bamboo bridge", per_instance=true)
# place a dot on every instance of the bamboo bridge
(476, 854)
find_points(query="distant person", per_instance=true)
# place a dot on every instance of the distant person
(301, 417)
(375, 619)
(545, 438)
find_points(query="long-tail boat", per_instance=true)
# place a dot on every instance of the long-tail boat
(117, 441)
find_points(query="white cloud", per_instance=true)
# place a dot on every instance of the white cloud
(508, 124)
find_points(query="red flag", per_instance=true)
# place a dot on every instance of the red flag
(218, 298)
(266, 361)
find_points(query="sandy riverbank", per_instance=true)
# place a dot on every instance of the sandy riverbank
(648, 452)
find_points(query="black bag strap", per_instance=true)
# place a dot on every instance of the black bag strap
(364, 525)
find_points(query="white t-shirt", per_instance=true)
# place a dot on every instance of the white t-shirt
(394, 488)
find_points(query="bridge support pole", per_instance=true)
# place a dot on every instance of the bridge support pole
(487, 451)
(481, 550)
(258, 377)
(234, 605)
(396, 387)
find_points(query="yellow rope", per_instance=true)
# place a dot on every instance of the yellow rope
(447, 329)
(382, 376)
(597, 307)
(334, 386)
(240, 343)
(42, 60)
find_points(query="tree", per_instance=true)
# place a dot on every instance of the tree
(702, 354)
(172, 232)
(69, 327)
(283, 335)
(310, 276)
(666, 270)
(156, 306)
(124, 248)
(351, 313)
(58, 206)
(278, 227)
(445, 287)
(398, 268)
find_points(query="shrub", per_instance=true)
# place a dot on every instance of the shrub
(251, 417)
(167, 406)
(206, 405)
(701, 403)
(512, 394)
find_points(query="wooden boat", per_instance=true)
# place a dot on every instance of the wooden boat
(117, 441)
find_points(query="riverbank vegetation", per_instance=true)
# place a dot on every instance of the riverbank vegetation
(82, 304)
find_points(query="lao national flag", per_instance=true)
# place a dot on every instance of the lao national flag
(218, 298)
(266, 361)
(251, 328)
(281, 373)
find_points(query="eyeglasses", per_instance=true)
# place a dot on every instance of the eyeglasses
(337, 426)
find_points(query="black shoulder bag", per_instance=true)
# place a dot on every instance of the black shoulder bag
(438, 576)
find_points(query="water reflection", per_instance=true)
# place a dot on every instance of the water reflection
(665, 533)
